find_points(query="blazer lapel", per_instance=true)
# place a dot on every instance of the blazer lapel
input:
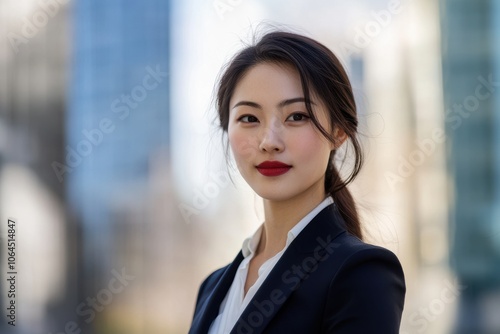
(308, 250)
(213, 302)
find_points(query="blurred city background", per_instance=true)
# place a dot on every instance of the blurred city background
(113, 168)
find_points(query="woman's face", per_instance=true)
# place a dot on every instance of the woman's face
(268, 122)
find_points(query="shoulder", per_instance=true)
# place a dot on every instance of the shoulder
(364, 263)
(358, 253)
(368, 285)
(209, 282)
(346, 252)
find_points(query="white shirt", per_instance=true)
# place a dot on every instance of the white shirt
(234, 303)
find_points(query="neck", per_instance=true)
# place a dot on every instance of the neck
(282, 216)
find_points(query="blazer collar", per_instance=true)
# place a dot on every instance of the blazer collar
(215, 299)
(312, 244)
(311, 247)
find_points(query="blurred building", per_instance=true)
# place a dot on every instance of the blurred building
(117, 128)
(471, 81)
(86, 153)
(33, 58)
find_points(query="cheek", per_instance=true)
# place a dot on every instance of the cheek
(241, 144)
(311, 147)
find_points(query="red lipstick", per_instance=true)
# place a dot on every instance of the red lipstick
(273, 168)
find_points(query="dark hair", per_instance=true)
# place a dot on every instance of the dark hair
(320, 72)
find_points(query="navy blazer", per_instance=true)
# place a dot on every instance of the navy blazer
(327, 281)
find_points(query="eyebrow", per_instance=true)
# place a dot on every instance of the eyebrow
(282, 104)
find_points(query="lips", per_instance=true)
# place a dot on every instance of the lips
(273, 168)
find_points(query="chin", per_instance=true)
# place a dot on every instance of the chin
(285, 191)
(274, 194)
(275, 198)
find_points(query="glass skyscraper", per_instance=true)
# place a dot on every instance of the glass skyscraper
(471, 76)
(117, 121)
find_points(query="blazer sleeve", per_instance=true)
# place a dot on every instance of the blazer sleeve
(367, 294)
(201, 292)
(206, 287)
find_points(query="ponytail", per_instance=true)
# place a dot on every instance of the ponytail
(342, 198)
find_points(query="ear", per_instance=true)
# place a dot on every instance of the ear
(340, 137)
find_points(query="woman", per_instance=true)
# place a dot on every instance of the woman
(287, 105)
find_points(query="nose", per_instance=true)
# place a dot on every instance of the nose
(271, 137)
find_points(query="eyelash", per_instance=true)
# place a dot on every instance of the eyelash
(242, 117)
(305, 117)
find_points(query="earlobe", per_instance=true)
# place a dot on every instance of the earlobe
(340, 137)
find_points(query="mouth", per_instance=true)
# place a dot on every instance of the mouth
(273, 168)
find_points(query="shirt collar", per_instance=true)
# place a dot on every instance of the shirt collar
(250, 244)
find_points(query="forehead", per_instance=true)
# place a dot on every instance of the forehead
(268, 81)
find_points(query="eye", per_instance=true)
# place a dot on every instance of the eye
(298, 117)
(248, 119)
